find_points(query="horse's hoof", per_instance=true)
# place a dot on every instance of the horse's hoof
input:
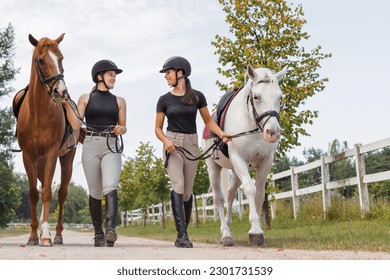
(228, 241)
(58, 240)
(33, 242)
(256, 239)
(46, 242)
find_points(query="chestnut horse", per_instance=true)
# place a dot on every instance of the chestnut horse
(43, 137)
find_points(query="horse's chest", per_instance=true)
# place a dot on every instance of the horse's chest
(253, 151)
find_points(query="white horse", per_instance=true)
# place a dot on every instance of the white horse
(256, 106)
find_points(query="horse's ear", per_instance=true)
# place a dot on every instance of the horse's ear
(250, 71)
(32, 40)
(281, 73)
(59, 39)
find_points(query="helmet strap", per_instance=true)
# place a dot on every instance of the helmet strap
(103, 81)
(177, 79)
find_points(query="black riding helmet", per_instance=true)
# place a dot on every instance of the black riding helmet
(102, 66)
(177, 63)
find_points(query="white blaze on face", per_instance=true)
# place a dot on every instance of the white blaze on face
(61, 84)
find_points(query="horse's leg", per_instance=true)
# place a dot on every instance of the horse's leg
(215, 182)
(261, 177)
(66, 162)
(230, 196)
(49, 165)
(256, 234)
(34, 198)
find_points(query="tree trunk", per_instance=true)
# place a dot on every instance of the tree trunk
(163, 212)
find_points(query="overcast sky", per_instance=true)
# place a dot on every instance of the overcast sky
(140, 35)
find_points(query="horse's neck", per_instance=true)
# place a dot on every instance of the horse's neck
(239, 111)
(37, 96)
(242, 102)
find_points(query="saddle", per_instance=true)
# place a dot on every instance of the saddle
(219, 117)
(17, 104)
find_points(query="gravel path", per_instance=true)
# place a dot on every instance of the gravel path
(78, 246)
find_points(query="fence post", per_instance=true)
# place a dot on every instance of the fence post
(204, 208)
(326, 202)
(273, 204)
(240, 198)
(294, 187)
(362, 187)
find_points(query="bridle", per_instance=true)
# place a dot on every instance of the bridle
(46, 80)
(259, 118)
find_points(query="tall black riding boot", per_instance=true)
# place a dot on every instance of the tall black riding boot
(182, 240)
(188, 210)
(95, 208)
(111, 212)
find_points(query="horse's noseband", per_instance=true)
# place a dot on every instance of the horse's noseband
(259, 118)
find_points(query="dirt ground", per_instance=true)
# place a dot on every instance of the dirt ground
(79, 246)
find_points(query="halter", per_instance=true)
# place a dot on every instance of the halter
(259, 118)
(47, 80)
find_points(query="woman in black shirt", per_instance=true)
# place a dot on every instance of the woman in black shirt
(180, 106)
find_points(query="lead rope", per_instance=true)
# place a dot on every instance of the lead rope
(188, 155)
(119, 146)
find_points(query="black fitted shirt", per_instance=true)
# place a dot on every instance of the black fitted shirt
(181, 118)
(102, 110)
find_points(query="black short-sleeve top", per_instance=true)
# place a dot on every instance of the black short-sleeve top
(181, 118)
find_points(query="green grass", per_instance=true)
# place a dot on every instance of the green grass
(4, 232)
(344, 228)
(362, 235)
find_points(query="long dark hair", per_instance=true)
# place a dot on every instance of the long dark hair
(190, 97)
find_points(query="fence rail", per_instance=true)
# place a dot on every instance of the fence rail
(361, 180)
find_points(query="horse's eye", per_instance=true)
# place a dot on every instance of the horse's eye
(256, 98)
(41, 61)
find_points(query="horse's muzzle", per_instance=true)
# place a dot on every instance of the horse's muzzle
(59, 96)
(272, 136)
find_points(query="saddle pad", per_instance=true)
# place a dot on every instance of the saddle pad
(219, 115)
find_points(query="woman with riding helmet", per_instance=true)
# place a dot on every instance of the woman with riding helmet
(105, 116)
(180, 106)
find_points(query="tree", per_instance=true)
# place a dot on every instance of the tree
(127, 190)
(7, 74)
(143, 180)
(342, 169)
(160, 184)
(269, 33)
(23, 212)
(201, 184)
(9, 195)
(378, 161)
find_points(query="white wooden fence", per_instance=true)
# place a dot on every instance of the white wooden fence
(361, 180)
